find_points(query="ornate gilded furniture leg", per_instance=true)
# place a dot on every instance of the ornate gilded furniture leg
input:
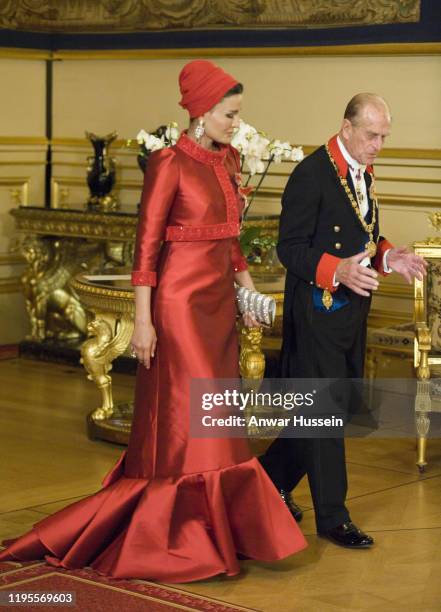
(422, 400)
(53, 309)
(37, 253)
(109, 336)
(110, 301)
(252, 359)
(252, 368)
(427, 338)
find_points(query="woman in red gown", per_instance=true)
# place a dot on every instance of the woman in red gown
(176, 508)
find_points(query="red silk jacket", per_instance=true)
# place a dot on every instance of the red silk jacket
(189, 194)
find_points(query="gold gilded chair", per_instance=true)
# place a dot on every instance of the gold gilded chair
(427, 353)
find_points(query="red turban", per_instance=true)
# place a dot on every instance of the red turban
(203, 85)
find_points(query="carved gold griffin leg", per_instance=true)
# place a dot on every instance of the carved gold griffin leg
(39, 256)
(109, 335)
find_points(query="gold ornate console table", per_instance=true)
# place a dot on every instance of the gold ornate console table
(60, 243)
(57, 244)
(110, 302)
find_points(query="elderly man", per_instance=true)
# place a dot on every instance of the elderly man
(330, 245)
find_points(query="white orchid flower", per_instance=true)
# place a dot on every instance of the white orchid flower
(246, 129)
(172, 132)
(141, 136)
(153, 143)
(150, 142)
(297, 154)
(242, 137)
(255, 164)
(257, 145)
(278, 148)
(240, 142)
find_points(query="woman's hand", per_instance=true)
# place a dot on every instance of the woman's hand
(143, 343)
(250, 320)
(243, 279)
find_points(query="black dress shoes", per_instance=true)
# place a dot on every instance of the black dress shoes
(348, 535)
(291, 505)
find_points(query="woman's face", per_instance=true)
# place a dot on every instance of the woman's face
(221, 121)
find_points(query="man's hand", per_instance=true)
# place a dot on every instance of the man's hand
(360, 279)
(406, 263)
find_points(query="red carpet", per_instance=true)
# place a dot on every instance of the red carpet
(95, 593)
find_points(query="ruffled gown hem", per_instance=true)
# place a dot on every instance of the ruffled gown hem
(165, 530)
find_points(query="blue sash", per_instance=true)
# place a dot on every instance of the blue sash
(339, 300)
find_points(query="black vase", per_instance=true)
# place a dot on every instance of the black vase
(101, 174)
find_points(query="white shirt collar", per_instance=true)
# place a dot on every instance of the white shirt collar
(352, 163)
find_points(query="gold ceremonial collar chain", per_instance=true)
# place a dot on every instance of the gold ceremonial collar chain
(368, 227)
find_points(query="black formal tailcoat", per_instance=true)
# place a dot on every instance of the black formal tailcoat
(317, 217)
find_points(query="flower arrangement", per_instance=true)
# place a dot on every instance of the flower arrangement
(257, 153)
(164, 136)
(256, 148)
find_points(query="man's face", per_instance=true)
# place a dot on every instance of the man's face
(365, 136)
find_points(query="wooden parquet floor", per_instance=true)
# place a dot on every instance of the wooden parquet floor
(47, 462)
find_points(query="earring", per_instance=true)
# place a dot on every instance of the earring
(199, 131)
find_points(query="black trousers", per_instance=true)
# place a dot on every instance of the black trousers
(326, 345)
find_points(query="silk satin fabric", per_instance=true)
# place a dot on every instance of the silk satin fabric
(175, 508)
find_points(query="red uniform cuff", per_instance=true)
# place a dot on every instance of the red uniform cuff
(144, 278)
(324, 274)
(383, 246)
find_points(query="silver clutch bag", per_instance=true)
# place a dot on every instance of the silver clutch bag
(263, 307)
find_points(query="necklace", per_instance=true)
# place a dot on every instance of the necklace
(358, 189)
(371, 247)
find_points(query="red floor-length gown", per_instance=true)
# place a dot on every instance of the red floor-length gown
(176, 508)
